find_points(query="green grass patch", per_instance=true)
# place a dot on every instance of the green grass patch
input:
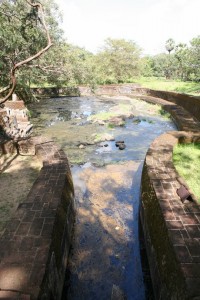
(110, 126)
(164, 113)
(104, 116)
(98, 137)
(124, 108)
(186, 158)
(115, 111)
(187, 87)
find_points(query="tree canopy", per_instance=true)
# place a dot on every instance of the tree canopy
(28, 29)
(118, 60)
(24, 36)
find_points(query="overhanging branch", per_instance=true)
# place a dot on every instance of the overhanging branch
(33, 57)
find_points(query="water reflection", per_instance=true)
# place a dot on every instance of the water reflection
(105, 259)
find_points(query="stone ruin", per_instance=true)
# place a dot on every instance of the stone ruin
(14, 123)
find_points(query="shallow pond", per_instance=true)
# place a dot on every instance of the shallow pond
(105, 259)
(66, 121)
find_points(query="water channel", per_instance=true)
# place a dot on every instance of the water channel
(105, 260)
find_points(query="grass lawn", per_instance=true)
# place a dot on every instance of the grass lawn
(186, 158)
(155, 83)
(188, 87)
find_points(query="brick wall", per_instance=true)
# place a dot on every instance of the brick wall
(35, 243)
(190, 103)
(171, 228)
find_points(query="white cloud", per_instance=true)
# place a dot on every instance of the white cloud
(150, 23)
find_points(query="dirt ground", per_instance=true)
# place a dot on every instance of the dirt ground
(15, 184)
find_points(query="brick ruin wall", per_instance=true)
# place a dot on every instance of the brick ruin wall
(171, 227)
(41, 229)
(35, 242)
(14, 123)
(189, 103)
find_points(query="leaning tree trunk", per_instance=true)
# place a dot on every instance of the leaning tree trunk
(27, 60)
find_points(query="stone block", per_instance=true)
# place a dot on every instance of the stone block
(26, 147)
(182, 254)
(8, 147)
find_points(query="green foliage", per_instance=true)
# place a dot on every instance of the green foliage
(104, 116)
(22, 35)
(160, 65)
(194, 59)
(181, 55)
(64, 65)
(183, 63)
(164, 113)
(170, 45)
(186, 158)
(118, 61)
(147, 65)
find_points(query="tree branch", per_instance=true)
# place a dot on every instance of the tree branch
(5, 89)
(49, 68)
(8, 15)
(27, 60)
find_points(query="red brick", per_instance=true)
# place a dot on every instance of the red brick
(192, 208)
(189, 220)
(193, 231)
(8, 295)
(176, 237)
(47, 230)
(191, 270)
(24, 297)
(27, 243)
(36, 226)
(193, 246)
(182, 254)
(178, 210)
(23, 229)
(193, 287)
(28, 216)
(37, 274)
(174, 224)
(169, 215)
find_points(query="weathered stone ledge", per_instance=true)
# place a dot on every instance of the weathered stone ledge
(184, 120)
(188, 102)
(35, 243)
(171, 228)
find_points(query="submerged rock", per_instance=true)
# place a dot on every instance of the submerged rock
(117, 293)
(103, 137)
(117, 121)
(101, 122)
(120, 144)
(136, 121)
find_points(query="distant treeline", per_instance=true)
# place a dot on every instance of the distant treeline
(118, 61)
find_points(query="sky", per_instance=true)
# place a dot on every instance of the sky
(149, 23)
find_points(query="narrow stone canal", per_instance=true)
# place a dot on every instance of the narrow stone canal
(105, 260)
